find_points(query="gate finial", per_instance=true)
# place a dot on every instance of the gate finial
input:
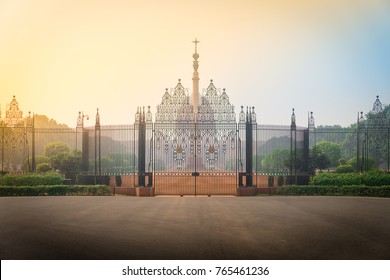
(195, 79)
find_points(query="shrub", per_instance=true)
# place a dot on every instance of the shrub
(335, 179)
(372, 178)
(38, 160)
(344, 169)
(53, 190)
(375, 178)
(31, 179)
(43, 167)
(371, 164)
(382, 191)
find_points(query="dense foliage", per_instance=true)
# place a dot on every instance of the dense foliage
(330, 151)
(369, 163)
(383, 191)
(55, 148)
(375, 178)
(54, 190)
(344, 168)
(59, 157)
(31, 179)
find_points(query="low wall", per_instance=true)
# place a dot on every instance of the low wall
(132, 191)
(250, 191)
(246, 191)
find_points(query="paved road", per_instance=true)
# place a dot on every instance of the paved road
(194, 228)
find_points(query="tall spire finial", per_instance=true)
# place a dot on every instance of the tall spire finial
(196, 44)
(195, 79)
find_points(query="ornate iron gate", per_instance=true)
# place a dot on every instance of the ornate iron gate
(195, 151)
(193, 158)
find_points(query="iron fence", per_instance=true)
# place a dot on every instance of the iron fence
(187, 153)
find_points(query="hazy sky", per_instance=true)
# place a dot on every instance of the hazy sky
(61, 57)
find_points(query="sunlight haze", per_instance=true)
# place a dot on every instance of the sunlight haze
(329, 57)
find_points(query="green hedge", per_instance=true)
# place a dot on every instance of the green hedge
(375, 178)
(31, 179)
(344, 169)
(378, 191)
(53, 190)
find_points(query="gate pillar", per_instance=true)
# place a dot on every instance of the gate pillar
(141, 149)
(85, 150)
(293, 149)
(249, 148)
(97, 144)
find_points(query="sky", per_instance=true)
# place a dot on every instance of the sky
(331, 57)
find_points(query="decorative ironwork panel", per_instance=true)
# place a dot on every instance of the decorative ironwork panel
(15, 149)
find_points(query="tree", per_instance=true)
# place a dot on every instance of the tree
(117, 162)
(257, 163)
(55, 148)
(377, 129)
(318, 160)
(276, 162)
(44, 122)
(374, 130)
(68, 163)
(62, 159)
(330, 150)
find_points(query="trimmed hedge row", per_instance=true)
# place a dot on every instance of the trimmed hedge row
(54, 190)
(378, 191)
(31, 179)
(350, 179)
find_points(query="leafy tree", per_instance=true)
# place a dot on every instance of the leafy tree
(68, 163)
(377, 135)
(330, 150)
(55, 148)
(115, 162)
(42, 121)
(257, 162)
(318, 160)
(377, 130)
(277, 161)
(62, 159)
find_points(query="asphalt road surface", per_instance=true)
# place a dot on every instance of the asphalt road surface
(276, 227)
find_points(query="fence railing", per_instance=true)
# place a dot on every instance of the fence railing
(193, 147)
